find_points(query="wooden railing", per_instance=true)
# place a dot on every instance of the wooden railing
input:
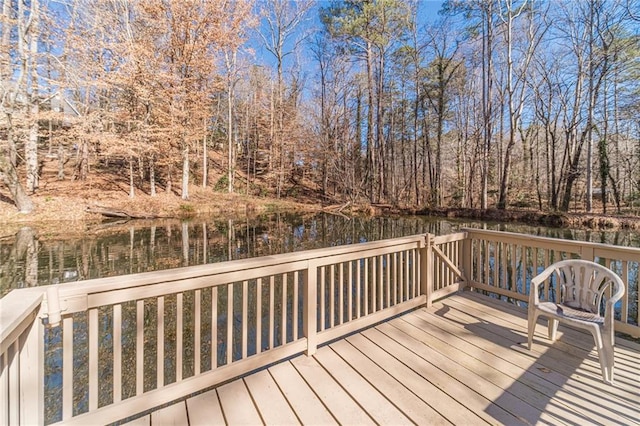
(503, 263)
(129, 344)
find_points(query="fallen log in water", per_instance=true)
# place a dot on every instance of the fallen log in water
(119, 214)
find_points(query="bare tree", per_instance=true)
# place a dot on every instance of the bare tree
(281, 39)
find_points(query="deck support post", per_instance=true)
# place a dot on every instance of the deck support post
(426, 264)
(310, 314)
(467, 259)
(31, 364)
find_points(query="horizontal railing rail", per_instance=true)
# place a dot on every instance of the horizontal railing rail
(504, 263)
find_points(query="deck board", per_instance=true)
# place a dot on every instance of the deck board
(411, 404)
(237, 405)
(462, 361)
(171, 415)
(335, 398)
(271, 403)
(305, 403)
(205, 409)
(371, 400)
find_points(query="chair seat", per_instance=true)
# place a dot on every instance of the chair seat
(564, 311)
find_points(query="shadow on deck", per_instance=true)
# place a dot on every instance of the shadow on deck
(463, 361)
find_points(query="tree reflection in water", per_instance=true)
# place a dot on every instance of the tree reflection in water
(28, 260)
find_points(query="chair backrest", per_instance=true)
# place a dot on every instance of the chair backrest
(583, 283)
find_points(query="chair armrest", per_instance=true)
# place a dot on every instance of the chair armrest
(618, 292)
(536, 282)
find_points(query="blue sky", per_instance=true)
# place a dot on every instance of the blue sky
(427, 12)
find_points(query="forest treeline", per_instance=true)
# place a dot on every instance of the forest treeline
(489, 104)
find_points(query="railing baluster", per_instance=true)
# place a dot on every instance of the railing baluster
(272, 324)
(197, 331)
(93, 358)
(478, 271)
(283, 319)
(160, 344)
(401, 275)
(245, 316)
(487, 255)
(67, 368)
(523, 269)
(358, 298)
(179, 336)
(229, 323)
(438, 276)
(387, 270)
(624, 312)
(322, 298)
(395, 278)
(514, 267)
(332, 299)
(637, 277)
(498, 268)
(310, 316)
(214, 327)
(380, 283)
(374, 284)
(415, 273)
(258, 315)
(366, 286)
(406, 274)
(457, 260)
(140, 346)
(117, 352)
(296, 284)
(341, 295)
(350, 291)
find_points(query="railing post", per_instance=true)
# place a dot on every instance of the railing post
(426, 260)
(587, 253)
(31, 366)
(310, 317)
(467, 259)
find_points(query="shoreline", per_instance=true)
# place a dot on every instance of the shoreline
(82, 214)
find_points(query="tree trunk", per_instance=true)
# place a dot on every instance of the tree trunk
(132, 192)
(205, 155)
(185, 172)
(9, 176)
(371, 172)
(152, 176)
(487, 77)
(61, 161)
(31, 146)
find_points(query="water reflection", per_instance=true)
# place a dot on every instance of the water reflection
(27, 259)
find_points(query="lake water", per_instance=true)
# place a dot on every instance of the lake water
(118, 248)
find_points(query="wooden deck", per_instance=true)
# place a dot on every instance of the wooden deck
(463, 361)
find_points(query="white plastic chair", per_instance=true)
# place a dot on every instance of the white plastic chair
(582, 285)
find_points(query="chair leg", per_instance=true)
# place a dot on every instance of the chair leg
(533, 318)
(553, 329)
(605, 356)
(607, 363)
